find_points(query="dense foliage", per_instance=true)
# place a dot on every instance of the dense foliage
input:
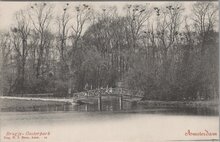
(158, 50)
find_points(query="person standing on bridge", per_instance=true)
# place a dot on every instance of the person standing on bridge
(86, 86)
(86, 89)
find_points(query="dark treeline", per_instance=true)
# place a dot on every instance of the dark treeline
(155, 49)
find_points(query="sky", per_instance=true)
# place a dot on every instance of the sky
(8, 9)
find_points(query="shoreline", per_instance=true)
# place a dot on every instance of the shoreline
(11, 103)
(38, 99)
(178, 104)
(14, 102)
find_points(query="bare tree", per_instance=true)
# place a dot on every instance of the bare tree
(22, 32)
(204, 18)
(41, 16)
(137, 16)
(63, 22)
(5, 62)
(83, 14)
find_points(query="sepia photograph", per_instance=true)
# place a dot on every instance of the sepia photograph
(109, 71)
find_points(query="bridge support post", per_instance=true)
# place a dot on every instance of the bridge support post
(100, 103)
(121, 102)
(86, 107)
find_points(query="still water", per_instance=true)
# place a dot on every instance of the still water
(109, 104)
(85, 123)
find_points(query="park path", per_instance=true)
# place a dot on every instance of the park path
(38, 99)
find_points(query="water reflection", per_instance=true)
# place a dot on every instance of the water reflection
(113, 104)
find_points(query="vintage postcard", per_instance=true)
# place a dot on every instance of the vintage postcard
(109, 71)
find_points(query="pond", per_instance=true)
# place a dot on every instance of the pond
(109, 104)
(86, 123)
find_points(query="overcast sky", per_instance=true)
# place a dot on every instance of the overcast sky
(8, 9)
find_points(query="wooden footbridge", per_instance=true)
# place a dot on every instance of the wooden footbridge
(97, 94)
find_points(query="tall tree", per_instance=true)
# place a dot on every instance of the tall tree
(41, 15)
(21, 32)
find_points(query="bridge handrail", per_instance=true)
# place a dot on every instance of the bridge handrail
(107, 91)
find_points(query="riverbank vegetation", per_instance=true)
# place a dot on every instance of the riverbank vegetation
(168, 51)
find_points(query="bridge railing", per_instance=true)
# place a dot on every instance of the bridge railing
(110, 91)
